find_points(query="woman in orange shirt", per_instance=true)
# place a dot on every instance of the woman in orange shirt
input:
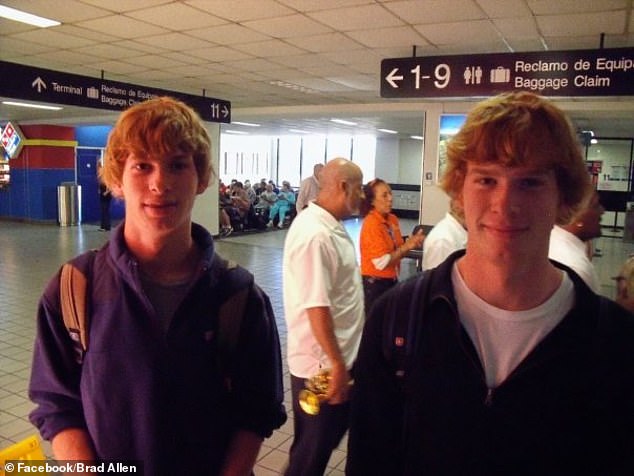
(381, 243)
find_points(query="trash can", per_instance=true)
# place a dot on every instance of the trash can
(68, 204)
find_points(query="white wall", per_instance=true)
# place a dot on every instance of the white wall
(386, 165)
(398, 160)
(205, 210)
(410, 161)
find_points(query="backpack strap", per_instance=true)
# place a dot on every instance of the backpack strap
(230, 316)
(229, 323)
(75, 305)
(74, 302)
(403, 320)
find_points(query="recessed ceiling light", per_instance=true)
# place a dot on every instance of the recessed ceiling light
(34, 106)
(248, 124)
(417, 137)
(28, 18)
(343, 121)
(294, 87)
(388, 131)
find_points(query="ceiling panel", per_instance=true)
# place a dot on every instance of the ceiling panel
(275, 58)
(436, 11)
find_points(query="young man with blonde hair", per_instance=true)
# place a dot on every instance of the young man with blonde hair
(155, 384)
(507, 363)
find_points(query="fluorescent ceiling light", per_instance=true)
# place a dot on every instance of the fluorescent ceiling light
(248, 124)
(342, 121)
(34, 106)
(231, 131)
(299, 131)
(18, 15)
(594, 141)
(417, 137)
(388, 131)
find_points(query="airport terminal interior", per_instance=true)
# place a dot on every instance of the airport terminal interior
(31, 253)
(304, 74)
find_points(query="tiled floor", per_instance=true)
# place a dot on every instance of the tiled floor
(31, 253)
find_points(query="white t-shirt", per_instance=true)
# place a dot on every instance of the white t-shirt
(447, 236)
(320, 269)
(567, 249)
(504, 338)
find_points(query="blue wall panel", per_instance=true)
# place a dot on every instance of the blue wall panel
(32, 194)
(87, 160)
(14, 204)
(92, 136)
(5, 202)
(43, 192)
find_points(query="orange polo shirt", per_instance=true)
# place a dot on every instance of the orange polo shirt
(379, 236)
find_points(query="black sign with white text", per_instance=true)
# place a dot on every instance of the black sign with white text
(37, 84)
(606, 72)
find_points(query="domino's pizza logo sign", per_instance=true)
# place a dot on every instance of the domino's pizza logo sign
(11, 140)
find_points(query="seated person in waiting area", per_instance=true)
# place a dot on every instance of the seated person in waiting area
(381, 243)
(240, 199)
(499, 361)
(267, 198)
(250, 190)
(285, 200)
(225, 222)
(229, 214)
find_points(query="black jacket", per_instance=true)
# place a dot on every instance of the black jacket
(567, 409)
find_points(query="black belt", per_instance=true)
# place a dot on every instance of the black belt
(375, 279)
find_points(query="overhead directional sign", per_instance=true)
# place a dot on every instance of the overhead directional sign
(36, 84)
(607, 72)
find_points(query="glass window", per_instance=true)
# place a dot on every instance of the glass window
(364, 154)
(289, 158)
(612, 159)
(450, 124)
(313, 152)
(244, 158)
(339, 146)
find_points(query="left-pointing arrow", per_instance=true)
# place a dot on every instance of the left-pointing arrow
(392, 78)
(39, 84)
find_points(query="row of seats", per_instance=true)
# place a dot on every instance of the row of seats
(258, 218)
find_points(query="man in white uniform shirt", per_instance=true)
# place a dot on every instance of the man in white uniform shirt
(323, 304)
(309, 189)
(447, 236)
(571, 244)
